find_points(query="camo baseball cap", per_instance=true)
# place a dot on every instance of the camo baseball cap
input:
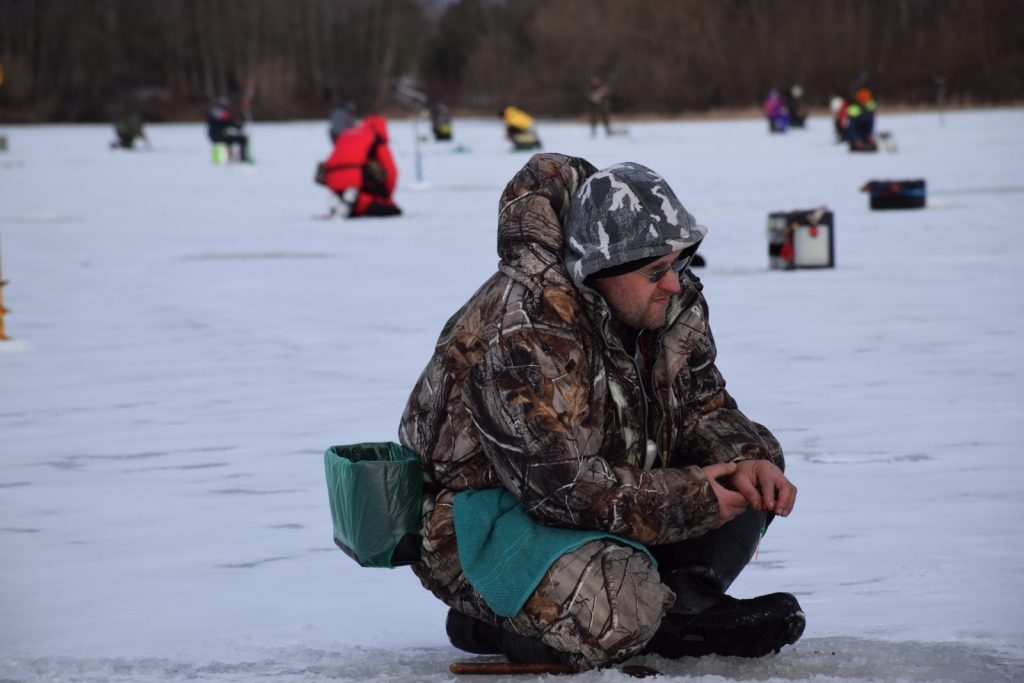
(623, 214)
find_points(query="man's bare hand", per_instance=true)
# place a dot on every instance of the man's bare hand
(730, 503)
(764, 486)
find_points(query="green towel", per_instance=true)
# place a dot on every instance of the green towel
(504, 553)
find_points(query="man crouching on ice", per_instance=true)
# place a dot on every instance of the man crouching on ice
(592, 489)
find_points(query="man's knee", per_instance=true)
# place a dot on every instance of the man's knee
(599, 604)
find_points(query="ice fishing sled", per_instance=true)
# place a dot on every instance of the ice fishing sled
(525, 141)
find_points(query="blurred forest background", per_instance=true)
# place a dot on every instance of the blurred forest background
(69, 60)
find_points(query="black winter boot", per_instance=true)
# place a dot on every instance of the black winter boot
(726, 626)
(704, 620)
(474, 635)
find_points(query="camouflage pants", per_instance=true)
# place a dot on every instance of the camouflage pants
(596, 605)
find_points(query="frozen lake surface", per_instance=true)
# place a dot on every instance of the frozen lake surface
(186, 340)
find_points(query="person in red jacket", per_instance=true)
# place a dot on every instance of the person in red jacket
(361, 170)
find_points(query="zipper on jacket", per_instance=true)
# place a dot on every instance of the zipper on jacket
(689, 295)
(652, 452)
(659, 416)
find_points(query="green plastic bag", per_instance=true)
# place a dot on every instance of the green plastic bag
(375, 490)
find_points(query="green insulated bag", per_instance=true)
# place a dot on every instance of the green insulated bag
(375, 491)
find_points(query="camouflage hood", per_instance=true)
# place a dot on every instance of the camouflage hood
(624, 213)
(533, 207)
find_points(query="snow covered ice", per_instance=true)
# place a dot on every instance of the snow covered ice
(186, 340)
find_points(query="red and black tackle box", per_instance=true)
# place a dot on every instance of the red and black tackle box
(896, 194)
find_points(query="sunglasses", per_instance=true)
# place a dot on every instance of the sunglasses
(679, 265)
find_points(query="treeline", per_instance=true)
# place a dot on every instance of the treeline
(67, 60)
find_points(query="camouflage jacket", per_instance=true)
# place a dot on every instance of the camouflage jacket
(530, 389)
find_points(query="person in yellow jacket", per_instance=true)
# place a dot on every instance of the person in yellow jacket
(519, 128)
